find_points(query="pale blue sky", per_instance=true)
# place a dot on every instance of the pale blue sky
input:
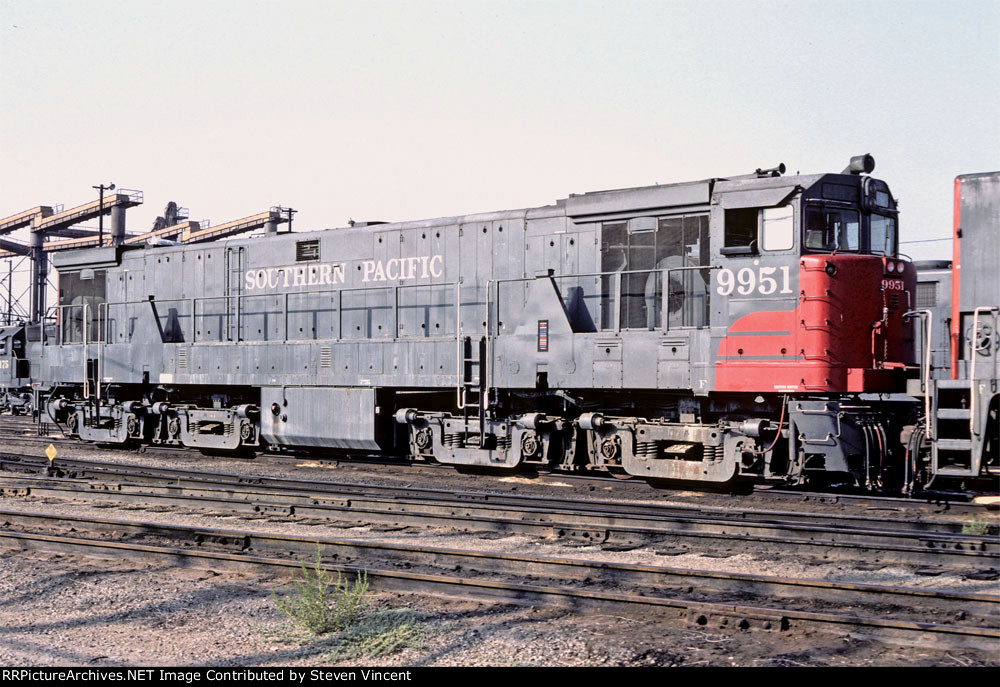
(403, 110)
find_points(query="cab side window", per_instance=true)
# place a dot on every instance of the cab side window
(80, 294)
(777, 228)
(741, 228)
(748, 230)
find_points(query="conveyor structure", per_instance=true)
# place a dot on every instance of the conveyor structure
(46, 222)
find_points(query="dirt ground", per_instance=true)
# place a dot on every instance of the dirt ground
(69, 610)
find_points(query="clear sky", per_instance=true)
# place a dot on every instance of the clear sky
(403, 110)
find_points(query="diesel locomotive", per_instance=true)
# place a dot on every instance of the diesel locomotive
(761, 326)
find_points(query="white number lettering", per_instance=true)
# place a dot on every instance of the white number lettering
(725, 282)
(786, 287)
(767, 284)
(746, 281)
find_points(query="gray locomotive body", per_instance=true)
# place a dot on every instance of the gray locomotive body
(701, 331)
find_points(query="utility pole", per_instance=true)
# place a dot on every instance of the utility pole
(100, 217)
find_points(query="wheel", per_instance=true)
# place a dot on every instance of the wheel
(482, 470)
(618, 472)
(241, 452)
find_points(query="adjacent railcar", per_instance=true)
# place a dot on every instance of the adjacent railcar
(15, 370)
(698, 331)
(958, 438)
(934, 296)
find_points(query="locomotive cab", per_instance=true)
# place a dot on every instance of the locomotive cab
(810, 304)
(810, 294)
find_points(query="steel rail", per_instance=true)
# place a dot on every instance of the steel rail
(949, 501)
(172, 476)
(883, 546)
(652, 595)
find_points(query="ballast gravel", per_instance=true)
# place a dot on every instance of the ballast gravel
(72, 610)
(68, 610)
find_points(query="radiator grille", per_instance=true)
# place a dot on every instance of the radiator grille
(927, 294)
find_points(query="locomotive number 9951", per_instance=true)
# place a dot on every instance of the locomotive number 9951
(762, 280)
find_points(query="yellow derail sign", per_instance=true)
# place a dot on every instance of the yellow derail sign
(51, 452)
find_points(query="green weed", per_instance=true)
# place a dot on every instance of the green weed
(976, 526)
(323, 602)
(382, 633)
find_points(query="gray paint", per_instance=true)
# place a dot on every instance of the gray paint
(322, 324)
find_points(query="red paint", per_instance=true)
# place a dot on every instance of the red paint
(829, 345)
(956, 273)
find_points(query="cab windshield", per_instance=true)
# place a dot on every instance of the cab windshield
(830, 229)
(883, 234)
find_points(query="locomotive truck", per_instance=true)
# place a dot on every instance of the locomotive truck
(753, 326)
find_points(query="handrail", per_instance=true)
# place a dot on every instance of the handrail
(994, 310)
(925, 364)
(133, 194)
(86, 378)
(395, 305)
(278, 294)
(617, 286)
(608, 274)
(459, 354)
(63, 321)
(102, 336)
(489, 341)
(284, 296)
(665, 271)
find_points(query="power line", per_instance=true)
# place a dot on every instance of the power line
(926, 240)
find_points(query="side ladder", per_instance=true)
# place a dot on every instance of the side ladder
(952, 453)
(474, 400)
(958, 420)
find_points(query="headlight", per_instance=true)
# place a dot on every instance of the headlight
(890, 266)
(900, 266)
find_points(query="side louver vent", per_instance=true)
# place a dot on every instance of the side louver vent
(325, 357)
(182, 358)
(306, 250)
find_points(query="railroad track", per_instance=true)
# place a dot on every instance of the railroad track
(24, 430)
(673, 534)
(712, 599)
(649, 587)
(99, 470)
